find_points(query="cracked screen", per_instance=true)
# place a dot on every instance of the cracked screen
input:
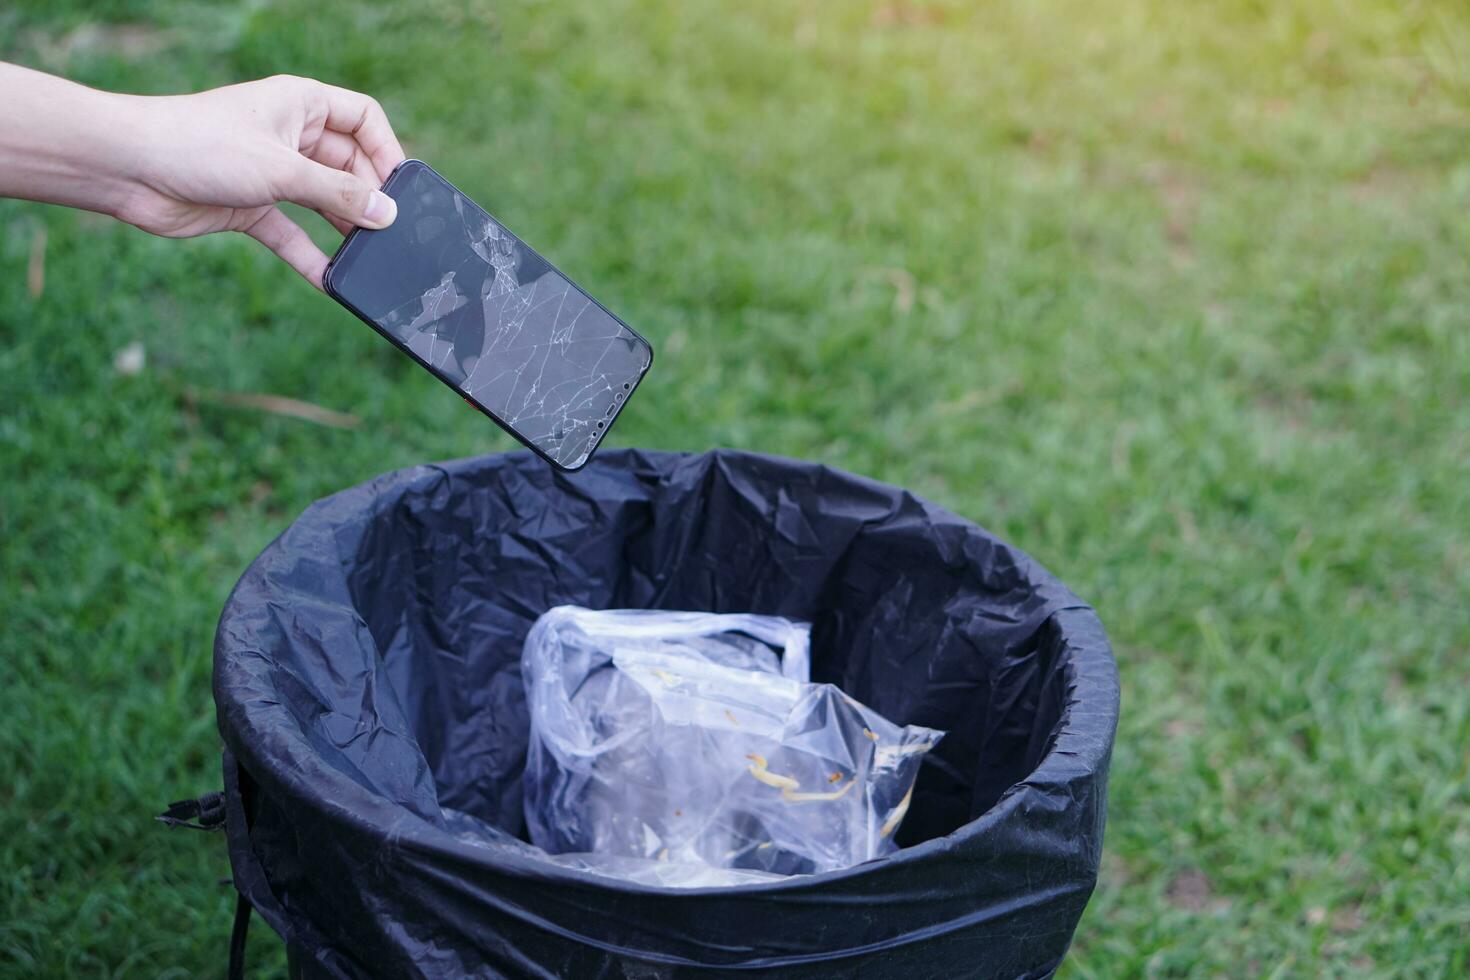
(493, 318)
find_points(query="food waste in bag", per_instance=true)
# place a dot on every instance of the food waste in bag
(690, 749)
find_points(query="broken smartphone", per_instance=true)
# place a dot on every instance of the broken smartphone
(488, 316)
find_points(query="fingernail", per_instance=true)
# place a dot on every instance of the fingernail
(381, 209)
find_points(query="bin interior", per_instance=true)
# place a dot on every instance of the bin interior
(924, 618)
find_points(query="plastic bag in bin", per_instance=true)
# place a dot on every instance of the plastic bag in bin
(695, 739)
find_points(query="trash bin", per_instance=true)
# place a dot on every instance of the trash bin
(367, 674)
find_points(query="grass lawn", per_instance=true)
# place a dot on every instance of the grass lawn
(1172, 295)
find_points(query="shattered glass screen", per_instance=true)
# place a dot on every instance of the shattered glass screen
(492, 317)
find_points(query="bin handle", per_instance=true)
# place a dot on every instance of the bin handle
(204, 813)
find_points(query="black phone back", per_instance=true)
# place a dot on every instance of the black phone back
(487, 315)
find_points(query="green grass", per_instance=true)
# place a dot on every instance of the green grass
(1173, 295)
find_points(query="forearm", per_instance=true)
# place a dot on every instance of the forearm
(64, 143)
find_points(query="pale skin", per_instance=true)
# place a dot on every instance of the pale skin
(186, 165)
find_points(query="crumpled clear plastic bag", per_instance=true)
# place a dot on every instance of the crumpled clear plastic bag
(682, 749)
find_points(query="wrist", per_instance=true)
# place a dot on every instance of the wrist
(121, 150)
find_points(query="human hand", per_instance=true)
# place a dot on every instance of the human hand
(221, 160)
(193, 164)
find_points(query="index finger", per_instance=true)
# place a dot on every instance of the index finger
(360, 117)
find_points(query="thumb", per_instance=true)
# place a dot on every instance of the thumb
(339, 193)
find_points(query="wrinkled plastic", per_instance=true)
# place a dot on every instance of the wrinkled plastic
(688, 739)
(367, 677)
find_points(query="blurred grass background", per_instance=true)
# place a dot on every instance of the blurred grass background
(1170, 294)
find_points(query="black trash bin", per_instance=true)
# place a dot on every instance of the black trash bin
(367, 673)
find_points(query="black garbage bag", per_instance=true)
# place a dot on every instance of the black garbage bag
(367, 674)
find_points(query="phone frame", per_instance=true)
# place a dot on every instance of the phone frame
(354, 236)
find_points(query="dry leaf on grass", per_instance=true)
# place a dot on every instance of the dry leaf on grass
(280, 405)
(36, 266)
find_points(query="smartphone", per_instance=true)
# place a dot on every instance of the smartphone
(483, 312)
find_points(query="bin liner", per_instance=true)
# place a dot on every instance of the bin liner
(366, 676)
